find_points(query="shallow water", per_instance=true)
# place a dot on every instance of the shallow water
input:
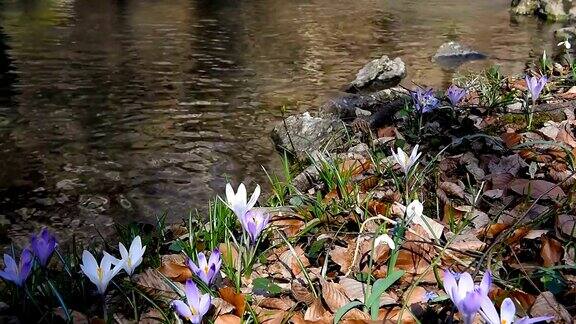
(118, 110)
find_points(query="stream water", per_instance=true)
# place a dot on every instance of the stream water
(117, 110)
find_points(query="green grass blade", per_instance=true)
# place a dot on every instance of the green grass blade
(380, 286)
(345, 309)
(60, 300)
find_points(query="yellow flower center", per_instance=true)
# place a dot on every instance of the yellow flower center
(100, 273)
(206, 269)
(193, 310)
(129, 262)
(504, 321)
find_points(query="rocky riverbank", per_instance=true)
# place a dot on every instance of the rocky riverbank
(394, 198)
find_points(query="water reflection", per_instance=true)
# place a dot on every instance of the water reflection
(121, 109)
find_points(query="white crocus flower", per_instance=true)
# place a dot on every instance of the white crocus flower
(237, 201)
(406, 162)
(565, 43)
(385, 238)
(414, 212)
(100, 275)
(133, 257)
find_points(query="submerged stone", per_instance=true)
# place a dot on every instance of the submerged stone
(453, 54)
(378, 74)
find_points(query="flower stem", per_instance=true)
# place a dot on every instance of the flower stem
(104, 308)
(134, 300)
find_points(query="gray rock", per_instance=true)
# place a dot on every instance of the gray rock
(553, 10)
(378, 74)
(361, 148)
(94, 203)
(302, 134)
(525, 7)
(572, 11)
(4, 225)
(453, 54)
(46, 201)
(566, 33)
(69, 184)
(26, 213)
(124, 202)
(348, 106)
(75, 223)
(63, 198)
(515, 107)
(361, 112)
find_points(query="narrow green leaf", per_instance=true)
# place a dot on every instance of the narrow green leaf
(345, 309)
(60, 300)
(380, 286)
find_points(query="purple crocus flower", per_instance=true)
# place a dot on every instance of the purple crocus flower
(43, 246)
(466, 296)
(196, 305)
(430, 295)
(207, 270)
(17, 272)
(535, 86)
(254, 222)
(507, 313)
(424, 100)
(455, 94)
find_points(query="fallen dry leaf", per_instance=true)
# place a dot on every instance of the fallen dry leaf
(566, 224)
(271, 316)
(236, 299)
(315, 311)
(175, 268)
(417, 295)
(356, 290)
(546, 305)
(290, 225)
(301, 292)
(386, 132)
(333, 294)
(551, 251)
(229, 254)
(396, 315)
(285, 264)
(494, 230)
(152, 281)
(221, 306)
(277, 303)
(511, 139)
(368, 183)
(228, 319)
(354, 167)
(452, 189)
(537, 188)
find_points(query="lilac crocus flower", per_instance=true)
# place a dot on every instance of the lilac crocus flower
(207, 270)
(424, 100)
(196, 305)
(466, 296)
(17, 272)
(43, 246)
(254, 222)
(507, 313)
(535, 86)
(455, 94)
